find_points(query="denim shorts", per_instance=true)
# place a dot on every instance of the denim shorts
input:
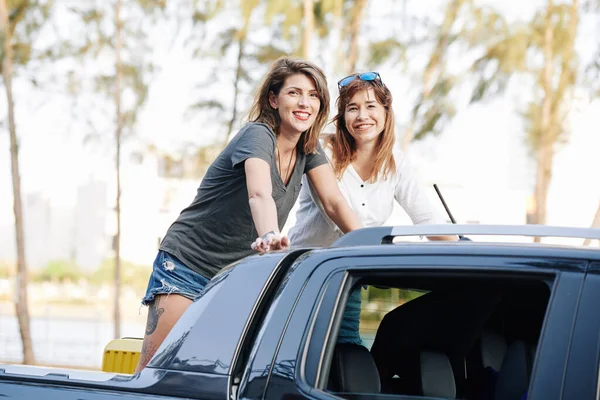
(171, 276)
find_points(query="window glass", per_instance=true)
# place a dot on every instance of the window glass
(438, 337)
(375, 303)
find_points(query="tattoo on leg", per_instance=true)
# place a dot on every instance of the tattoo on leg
(154, 314)
(148, 350)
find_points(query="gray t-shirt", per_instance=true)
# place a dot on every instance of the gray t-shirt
(217, 228)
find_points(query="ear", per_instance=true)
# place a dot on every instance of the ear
(273, 100)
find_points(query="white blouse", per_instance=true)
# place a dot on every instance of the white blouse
(373, 202)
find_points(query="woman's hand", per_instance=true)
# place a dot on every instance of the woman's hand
(270, 242)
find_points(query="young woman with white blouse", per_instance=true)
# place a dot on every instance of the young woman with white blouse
(370, 174)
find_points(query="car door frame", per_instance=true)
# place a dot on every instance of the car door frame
(582, 377)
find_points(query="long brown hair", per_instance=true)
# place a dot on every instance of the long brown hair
(343, 145)
(261, 110)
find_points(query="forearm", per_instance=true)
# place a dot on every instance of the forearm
(344, 217)
(443, 238)
(264, 214)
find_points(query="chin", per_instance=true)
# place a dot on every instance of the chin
(303, 128)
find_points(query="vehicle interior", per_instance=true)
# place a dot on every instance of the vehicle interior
(443, 337)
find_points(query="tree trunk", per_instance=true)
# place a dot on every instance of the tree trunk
(21, 305)
(544, 159)
(309, 27)
(545, 151)
(354, 34)
(236, 83)
(595, 224)
(338, 27)
(118, 134)
(436, 61)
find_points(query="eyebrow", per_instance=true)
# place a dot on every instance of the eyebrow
(300, 89)
(366, 102)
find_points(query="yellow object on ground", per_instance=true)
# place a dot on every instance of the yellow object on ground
(122, 355)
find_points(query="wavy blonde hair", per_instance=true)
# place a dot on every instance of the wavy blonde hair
(343, 145)
(261, 110)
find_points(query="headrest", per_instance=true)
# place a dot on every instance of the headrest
(493, 348)
(513, 378)
(353, 370)
(437, 378)
(446, 321)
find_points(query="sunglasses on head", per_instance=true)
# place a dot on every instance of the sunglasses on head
(365, 76)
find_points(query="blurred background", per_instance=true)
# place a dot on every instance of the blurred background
(111, 111)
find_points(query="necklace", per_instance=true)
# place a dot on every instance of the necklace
(284, 178)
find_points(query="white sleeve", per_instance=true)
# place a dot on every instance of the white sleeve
(315, 199)
(410, 195)
(313, 226)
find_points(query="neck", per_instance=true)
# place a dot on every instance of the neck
(363, 163)
(287, 143)
(365, 152)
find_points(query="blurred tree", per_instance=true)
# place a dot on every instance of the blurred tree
(118, 137)
(592, 81)
(434, 105)
(544, 50)
(546, 121)
(308, 28)
(248, 55)
(20, 23)
(296, 23)
(324, 17)
(123, 31)
(59, 271)
(355, 10)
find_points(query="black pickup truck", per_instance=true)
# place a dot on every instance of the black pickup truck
(505, 321)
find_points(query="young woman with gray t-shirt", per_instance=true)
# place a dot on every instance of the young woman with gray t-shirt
(246, 195)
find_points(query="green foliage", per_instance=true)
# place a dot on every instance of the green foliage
(58, 271)
(234, 40)
(93, 38)
(387, 299)
(64, 270)
(391, 295)
(26, 20)
(387, 50)
(131, 274)
(291, 13)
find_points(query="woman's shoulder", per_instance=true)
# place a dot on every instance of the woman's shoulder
(258, 127)
(404, 168)
(402, 161)
(323, 149)
(325, 141)
(255, 132)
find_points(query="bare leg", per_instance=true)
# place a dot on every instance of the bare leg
(163, 313)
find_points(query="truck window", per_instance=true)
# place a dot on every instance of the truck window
(438, 337)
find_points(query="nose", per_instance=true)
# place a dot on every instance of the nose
(303, 101)
(362, 113)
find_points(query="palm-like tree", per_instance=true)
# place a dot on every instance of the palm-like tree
(433, 107)
(132, 70)
(16, 50)
(551, 35)
(507, 50)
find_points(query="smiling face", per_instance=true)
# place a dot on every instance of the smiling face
(297, 104)
(365, 117)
